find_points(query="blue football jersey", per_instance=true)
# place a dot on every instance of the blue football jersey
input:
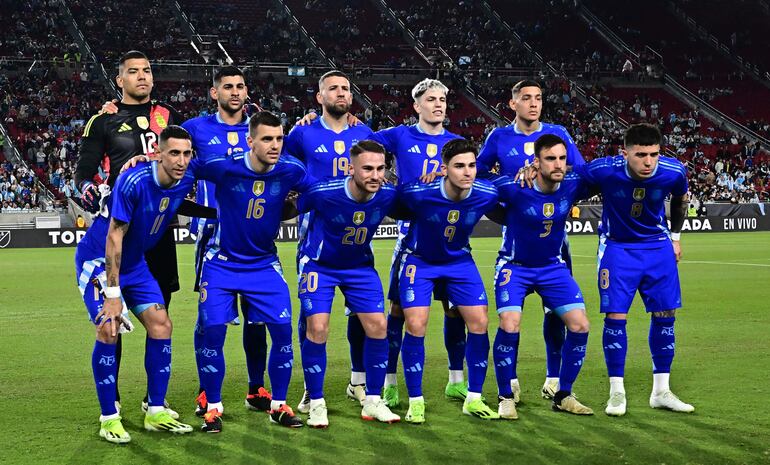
(416, 152)
(534, 220)
(250, 205)
(441, 228)
(634, 211)
(325, 152)
(138, 199)
(213, 137)
(511, 148)
(340, 232)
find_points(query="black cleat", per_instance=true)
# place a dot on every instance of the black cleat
(212, 421)
(284, 416)
(259, 401)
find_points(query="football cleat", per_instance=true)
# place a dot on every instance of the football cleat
(212, 421)
(516, 390)
(162, 421)
(356, 392)
(318, 416)
(378, 410)
(668, 400)
(479, 409)
(506, 408)
(457, 391)
(416, 412)
(284, 416)
(304, 403)
(259, 401)
(201, 404)
(171, 412)
(390, 396)
(112, 431)
(570, 404)
(550, 388)
(616, 406)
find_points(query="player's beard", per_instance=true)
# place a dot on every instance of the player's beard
(139, 97)
(337, 110)
(227, 108)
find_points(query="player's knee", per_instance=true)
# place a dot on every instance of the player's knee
(317, 331)
(617, 316)
(104, 335)
(160, 328)
(580, 326)
(376, 328)
(416, 327)
(509, 322)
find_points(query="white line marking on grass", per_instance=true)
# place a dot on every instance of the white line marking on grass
(762, 265)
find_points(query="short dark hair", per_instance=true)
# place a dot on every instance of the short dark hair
(263, 117)
(332, 73)
(130, 55)
(546, 141)
(456, 147)
(521, 84)
(642, 134)
(226, 71)
(173, 132)
(366, 146)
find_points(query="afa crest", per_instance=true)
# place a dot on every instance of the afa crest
(359, 217)
(453, 216)
(232, 138)
(339, 146)
(142, 122)
(163, 204)
(548, 209)
(258, 188)
(529, 148)
(432, 150)
(639, 193)
(160, 121)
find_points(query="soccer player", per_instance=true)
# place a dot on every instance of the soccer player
(336, 252)
(324, 147)
(512, 147)
(225, 133)
(443, 214)
(638, 251)
(250, 192)
(112, 271)
(531, 261)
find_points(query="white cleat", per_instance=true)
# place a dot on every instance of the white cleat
(516, 391)
(172, 413)
(616, 405)
(550, 388)
(668, 400)
(318, 416)
(356, 392)
(378, 410)
(506, 408)
(304, 403)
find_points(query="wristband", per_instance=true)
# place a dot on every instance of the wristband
(112, 292)
(676, 236)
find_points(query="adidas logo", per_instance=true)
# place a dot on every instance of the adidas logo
(613, 346)
(381, 365)
(339, 219)
(671, 346)
(483, 296)
(513, 152)
(124, 127)
(287, 365)
(214, 141)
(238, 188)
(315, 369)
(482, 364)
(284, 314)
(108, 380)
(321, 149)
(579, 363)
(166, 369)
(416, 368)
(414, 149)
(209, 369)
(504, 363)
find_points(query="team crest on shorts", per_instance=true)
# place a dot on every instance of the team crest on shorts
(504, 296)
(431, 150)
(307, 304)
(232, 138)
(529, 148)
(410, 295)
(258, 188)
(453, 216)
(339, 146)
(143, 122)
(163, 204)
(359, 217)
(548, 209)
(639, 193)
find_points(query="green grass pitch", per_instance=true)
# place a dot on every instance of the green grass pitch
(49, 408)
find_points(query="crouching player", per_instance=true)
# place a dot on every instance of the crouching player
(443, 214)
(111, 270)
(530, 261)
(336, 252)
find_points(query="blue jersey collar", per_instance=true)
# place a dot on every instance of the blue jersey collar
(326, 126)
(628, 173)
(420, 130)
(442, 185)
(537, 187)
(155, 177)
(220, 120)
(247, 161)
(518, 131)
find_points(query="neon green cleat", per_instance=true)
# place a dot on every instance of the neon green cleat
(112, 431)
(457, 391)
(162, 421)
(478, 408)
(390, 396)
(416, 412)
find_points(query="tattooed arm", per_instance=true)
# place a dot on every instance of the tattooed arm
(113, 306)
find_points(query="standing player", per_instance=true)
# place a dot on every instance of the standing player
(637, 251)
(324, 147)
(111, 271)
(336, 252)
(443, 214)
(225, 133)
(530, 262)
(512, 147)
(251, 189)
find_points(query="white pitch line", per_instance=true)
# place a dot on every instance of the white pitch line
(762, 265)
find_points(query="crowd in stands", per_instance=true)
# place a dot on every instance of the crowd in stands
(34, 29)
(18, 189)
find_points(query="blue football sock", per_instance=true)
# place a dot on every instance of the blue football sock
(573, 352)
(376, 361)
(356, 336)
(477, 354)
(413, 355)
(314, 367)
(615, 342)
(281, 359)
(454, 341)
(255, 347)
(105, 368)
(157, 364)
(505, 353)
(554, 332)
(395, 335)
(662, 344)
(212, 367)
(198, 346)
(301, 326)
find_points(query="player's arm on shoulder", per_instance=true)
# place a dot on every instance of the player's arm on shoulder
(487, 155)
(497, 214)
(196, 210)
(110, 313)
(678, 212)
